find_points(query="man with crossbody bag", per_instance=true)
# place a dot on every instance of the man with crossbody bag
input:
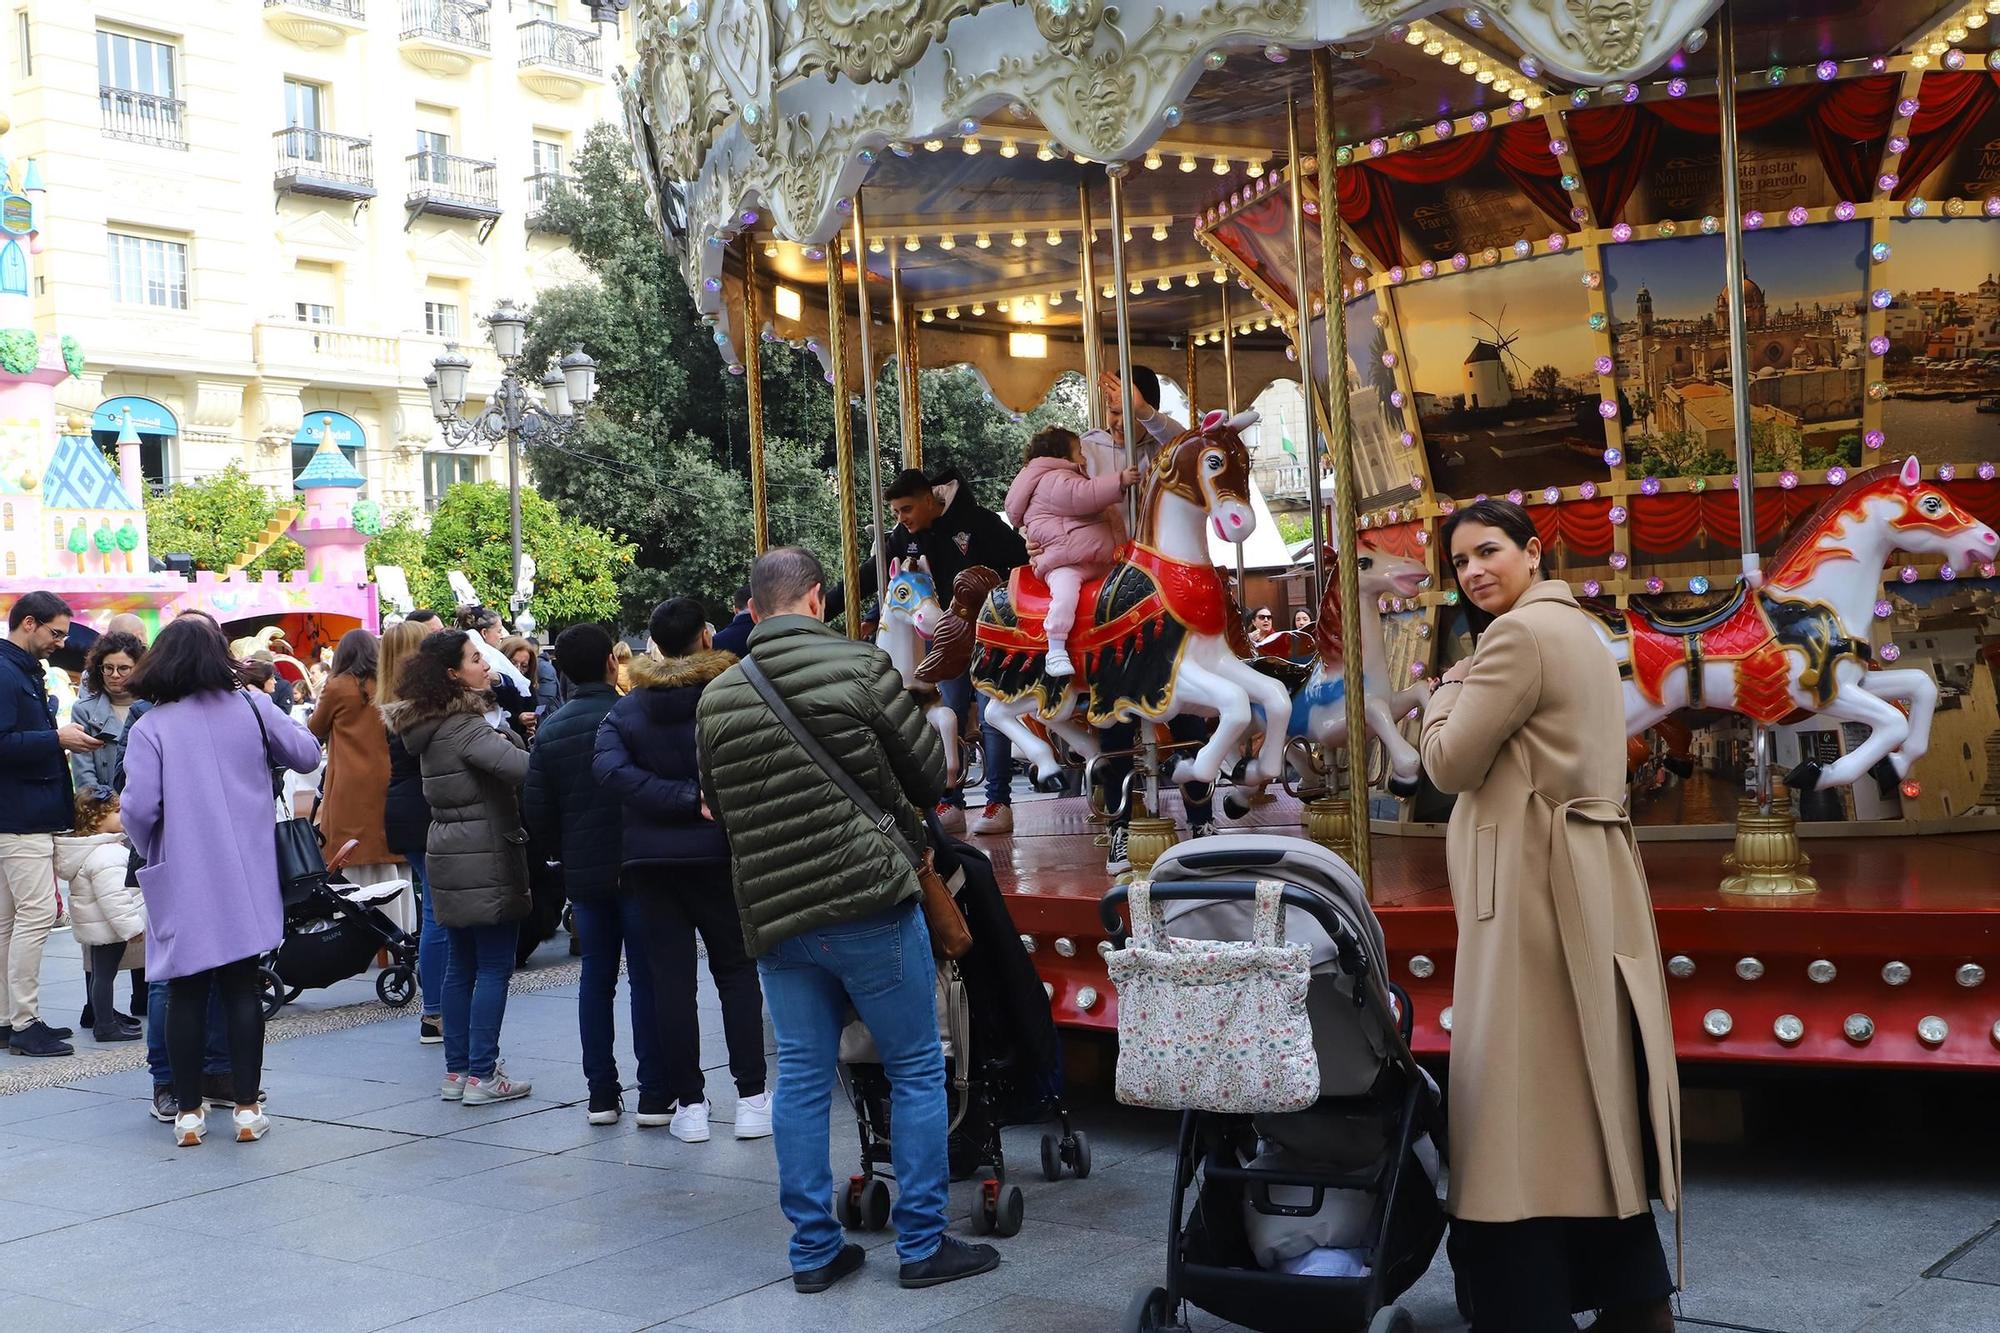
(829, 897)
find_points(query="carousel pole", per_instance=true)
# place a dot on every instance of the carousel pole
(907, 401)
(1767, 861)
(1093, 330)
(843, 436)
(866, 316)
(752, 337)
(1193, 384)
(1302, 296)
(1229, 404)
(1341, 428)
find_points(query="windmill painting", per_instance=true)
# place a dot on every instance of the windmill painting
(1489, 381)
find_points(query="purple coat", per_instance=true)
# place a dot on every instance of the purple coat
(198, 808)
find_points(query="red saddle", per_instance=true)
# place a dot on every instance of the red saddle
(1029, 596)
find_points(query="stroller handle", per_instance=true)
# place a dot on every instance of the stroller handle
(1243, 890)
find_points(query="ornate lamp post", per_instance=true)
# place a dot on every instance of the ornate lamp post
(510, 415)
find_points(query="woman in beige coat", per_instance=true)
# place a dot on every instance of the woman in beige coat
(1565, 1102)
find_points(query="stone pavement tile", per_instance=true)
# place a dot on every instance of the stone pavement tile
(1938, 1305)
(1059, 1262)
(723, 1155)
(415, 1166)
(508, 1249)
(522, 1314)
(371, 1229)
(280, 1290)
(1017, 1314)
(533, 1183)
(654, 1204)
(559, 1079)
(39, 1314)
(553, 1129)
(1131, 1198)
(427, 1114)
(1980, 1260)
(21, 1107)
(259, 1207)
(332, 1097)
(870, 1299)
(668, 1278)
(135, 1269)
(100, 1180)
(29, 1219)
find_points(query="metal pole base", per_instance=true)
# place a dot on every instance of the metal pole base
(1148, 840)
(1330, 823)
(1767, 861)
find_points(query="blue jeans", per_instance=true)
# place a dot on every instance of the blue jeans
(431, 946)
(996, 750)
(606, 928)
(217, 1061)
(882, 964)
(480, 961)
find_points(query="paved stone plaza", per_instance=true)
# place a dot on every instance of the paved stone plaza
(374, 1205)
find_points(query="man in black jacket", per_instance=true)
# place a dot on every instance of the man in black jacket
(735, 636)
(940, 521)
(676, 869)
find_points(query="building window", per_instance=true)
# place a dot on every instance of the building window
(444, 471)
(26, 46)
(548, 156)
(544, 10)
(441, 319)
(433, 157)
(136, 90)
(305, 117)
(310, 313)
(147, 271)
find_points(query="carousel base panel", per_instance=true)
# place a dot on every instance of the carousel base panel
(1895, 962)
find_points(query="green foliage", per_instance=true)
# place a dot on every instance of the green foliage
(367, 518)
(576, 565)
(1294, 528)
(20, 350)
(1545, 382)
(400, 542)
(216, 520)
(72, 355)
(1773, 447)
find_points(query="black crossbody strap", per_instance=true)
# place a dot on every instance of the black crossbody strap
(881, 819)
(277, 774)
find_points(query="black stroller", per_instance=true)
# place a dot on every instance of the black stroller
(1003, 1065)
(1368, 1152)
(332, 932)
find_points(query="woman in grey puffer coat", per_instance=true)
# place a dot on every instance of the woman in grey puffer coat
(476, 853)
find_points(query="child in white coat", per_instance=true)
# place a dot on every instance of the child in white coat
(105, 912)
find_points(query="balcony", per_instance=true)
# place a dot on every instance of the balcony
(453, 187)
(444, 37)
(325, 355)
(559, 62)
(331, 166)
(543, 188)
(142, 117)
(316, 23)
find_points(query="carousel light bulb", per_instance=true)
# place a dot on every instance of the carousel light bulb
(1468, 67)
(1920, 61)
(978, 309)
(1262, 324)
(876, 245)
(1955, 33)
(1975, 20)
(951, 312)
(933, 145)
(1054, 237)
(1415, 36)
(971, 147)
(1055, 299)
(1153, 159)
(1433, 47)
(770, 249)
(984, 241)
(1045, 153)
(1192, 280)
(1001, 305)
(1188, 163)
(1159, 231)
(1109, 291)
(1126, 233)
(912, 243)
(1452, 56)
(1484, 76)
(1018, 239)
(1938, 48)
(1255, 166)
(1221, 167)
(1136, 287)
(947, 242)
(928, 316)
(1008, 148)
(1500, 86)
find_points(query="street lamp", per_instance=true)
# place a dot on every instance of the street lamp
(510, 415)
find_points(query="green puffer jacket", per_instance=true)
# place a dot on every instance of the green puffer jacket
(804, 857)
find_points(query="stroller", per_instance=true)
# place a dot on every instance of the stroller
(1339, 1201)
(332, 932)
(1002, 1063)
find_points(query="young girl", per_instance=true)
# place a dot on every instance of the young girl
(1060, 509)
(105, 912)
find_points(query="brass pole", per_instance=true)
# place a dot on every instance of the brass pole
(1122, 313)
(866, 315)
(1340, 428)
(752, 338)
(1193, 385)
(1229, 396)
(1093, 330)
(1301, 343)
(843, 436)
(906, 366)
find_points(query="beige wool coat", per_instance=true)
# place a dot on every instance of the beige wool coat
(1559, 994)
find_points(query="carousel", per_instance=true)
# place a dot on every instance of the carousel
(1713, 292)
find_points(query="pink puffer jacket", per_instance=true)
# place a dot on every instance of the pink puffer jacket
(1060, 509)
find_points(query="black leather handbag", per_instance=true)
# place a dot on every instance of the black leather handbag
(301, 857)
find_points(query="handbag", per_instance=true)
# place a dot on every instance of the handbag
(301, 863)
(1214, 1025)
(950, 937)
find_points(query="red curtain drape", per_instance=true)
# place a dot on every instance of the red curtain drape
(1522, 150)
(1951, 105)
(1847, 126)
(1370, 213)
(1584, 526)
(1440, 161)
(1269, 216)
(1703, 115)
(1613, 146)
(1396, 539)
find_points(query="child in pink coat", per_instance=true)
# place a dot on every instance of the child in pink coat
(1060, 509)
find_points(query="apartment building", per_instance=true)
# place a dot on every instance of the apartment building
(264, 218)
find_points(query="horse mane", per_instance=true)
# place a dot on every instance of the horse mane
(1806, 533)
(1166, 473)
(1327, 630)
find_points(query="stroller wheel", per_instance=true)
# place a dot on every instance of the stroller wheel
(874, 1204)
(272, 991)
(1392, 1319)
(1148, 1312)
(1052, 1162)
(847, 1203)
(1079, 1155)
(396, 985)
(1007, 1221)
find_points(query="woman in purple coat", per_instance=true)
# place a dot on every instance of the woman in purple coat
(198, 809)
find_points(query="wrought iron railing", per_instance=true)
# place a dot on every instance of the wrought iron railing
(440, 178)
(142, 117)
(544, 188)
(324, 156)
(459, 21)
(351, 9)
(546, 42)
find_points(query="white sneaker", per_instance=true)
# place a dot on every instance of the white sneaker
(453, 1087)
(499, 1088)
(753, 1116)
(251, 1125)
(189, 1127)
(951, 818)
(1057, 663)
(690, 1123)
(994, 819)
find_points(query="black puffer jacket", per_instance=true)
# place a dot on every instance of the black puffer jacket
(573, 818)
(406, 815)
(804, 856)
(476, 855)
(646, 761)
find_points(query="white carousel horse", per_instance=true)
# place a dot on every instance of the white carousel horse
(909, 618)
(1799, 645)
(1319, 710)
(1152, 638)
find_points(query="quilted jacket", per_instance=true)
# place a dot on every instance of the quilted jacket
(645, 762)
(476, 856)
(575, 820)
(804, 856)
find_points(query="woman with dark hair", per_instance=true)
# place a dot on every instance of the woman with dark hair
(357, 767)
(197, 807)
(475, 858)
(1565, 1100)
(513, 692)
(107, 676)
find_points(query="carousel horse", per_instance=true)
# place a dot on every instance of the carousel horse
(1319, 710)
(1155, 638)
(1798, 645)
(908, 619)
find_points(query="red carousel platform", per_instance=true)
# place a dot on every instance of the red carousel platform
(1903, 931)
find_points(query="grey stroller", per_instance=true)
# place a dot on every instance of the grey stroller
(1318, 1218)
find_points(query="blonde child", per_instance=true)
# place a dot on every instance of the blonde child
(105, 911)
(1060, 509)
